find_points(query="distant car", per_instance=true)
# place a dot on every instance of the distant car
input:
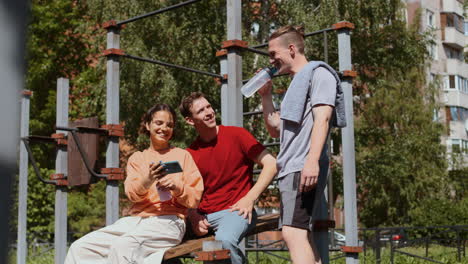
(396, 237)
(340, 239)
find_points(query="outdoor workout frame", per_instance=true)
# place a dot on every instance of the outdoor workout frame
(231, 114)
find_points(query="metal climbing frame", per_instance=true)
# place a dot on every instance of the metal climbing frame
(231, 98)
(231, 111)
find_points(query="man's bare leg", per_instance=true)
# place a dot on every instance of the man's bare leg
(302, 250)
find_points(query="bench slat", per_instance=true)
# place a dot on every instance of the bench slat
(264, 223)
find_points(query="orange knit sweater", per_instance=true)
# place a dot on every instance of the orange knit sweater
(146, 201)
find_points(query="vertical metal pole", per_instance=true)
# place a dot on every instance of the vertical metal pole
(331, 204)
(112, 117)
(427, 247)
(392, 252)
(61, 192)
(320, 213)
(377, 246)
(224, 90)
(13, 20)
(22, 251)
(325, 47)
(347, 135)
(233, 97)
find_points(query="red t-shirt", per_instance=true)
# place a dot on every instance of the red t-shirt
(226, 165)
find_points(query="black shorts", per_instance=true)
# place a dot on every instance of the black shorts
(297, 208)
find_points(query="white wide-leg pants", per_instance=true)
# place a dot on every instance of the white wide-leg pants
(131, 239)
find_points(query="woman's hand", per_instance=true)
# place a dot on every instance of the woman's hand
(156, 171)
(170, 183)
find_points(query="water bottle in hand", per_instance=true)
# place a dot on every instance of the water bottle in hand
(257, 81)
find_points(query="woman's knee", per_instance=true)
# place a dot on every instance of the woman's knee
(123, 243)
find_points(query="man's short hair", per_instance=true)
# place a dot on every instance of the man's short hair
(187, 103)
(291, 35)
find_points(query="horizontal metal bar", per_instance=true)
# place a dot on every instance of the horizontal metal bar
(338, 257)
(256, 51)
(416, 256)
(305, 36)
(33, 161)
(253, 113)
(80, 129)
(266, 249)
(271, 243)
(317, 32)
(159, 11)
(280, 257)
(413, 227)
(172, 65)
(271, 144)
(40, 139)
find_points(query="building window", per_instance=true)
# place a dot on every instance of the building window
(452, 82)
(462, 84)
(454, 114)
(452, 53)
(458, 113)
(454, 20)
(430, 18)
(433, 51)
(435, 116)
(466, 28)
(459, 145)
(455, 145)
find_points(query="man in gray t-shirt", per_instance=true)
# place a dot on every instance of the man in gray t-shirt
(303, 127)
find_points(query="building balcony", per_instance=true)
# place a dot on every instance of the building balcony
(454, 38)
(455, 98)
(457, 67)
(452, 6)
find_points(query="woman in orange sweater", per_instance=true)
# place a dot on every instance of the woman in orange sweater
(160, 201)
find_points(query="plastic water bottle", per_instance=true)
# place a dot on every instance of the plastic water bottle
(258, 81)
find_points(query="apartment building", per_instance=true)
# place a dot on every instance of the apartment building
(446, 19)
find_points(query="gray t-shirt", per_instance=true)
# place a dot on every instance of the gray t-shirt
(295, 138)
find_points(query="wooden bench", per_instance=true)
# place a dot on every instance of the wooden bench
(267, 222)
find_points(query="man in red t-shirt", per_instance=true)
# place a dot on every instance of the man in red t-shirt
(225, 156)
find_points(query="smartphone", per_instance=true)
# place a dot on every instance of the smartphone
(172, 167)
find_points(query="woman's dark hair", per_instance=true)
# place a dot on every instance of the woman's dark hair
(148, 117)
